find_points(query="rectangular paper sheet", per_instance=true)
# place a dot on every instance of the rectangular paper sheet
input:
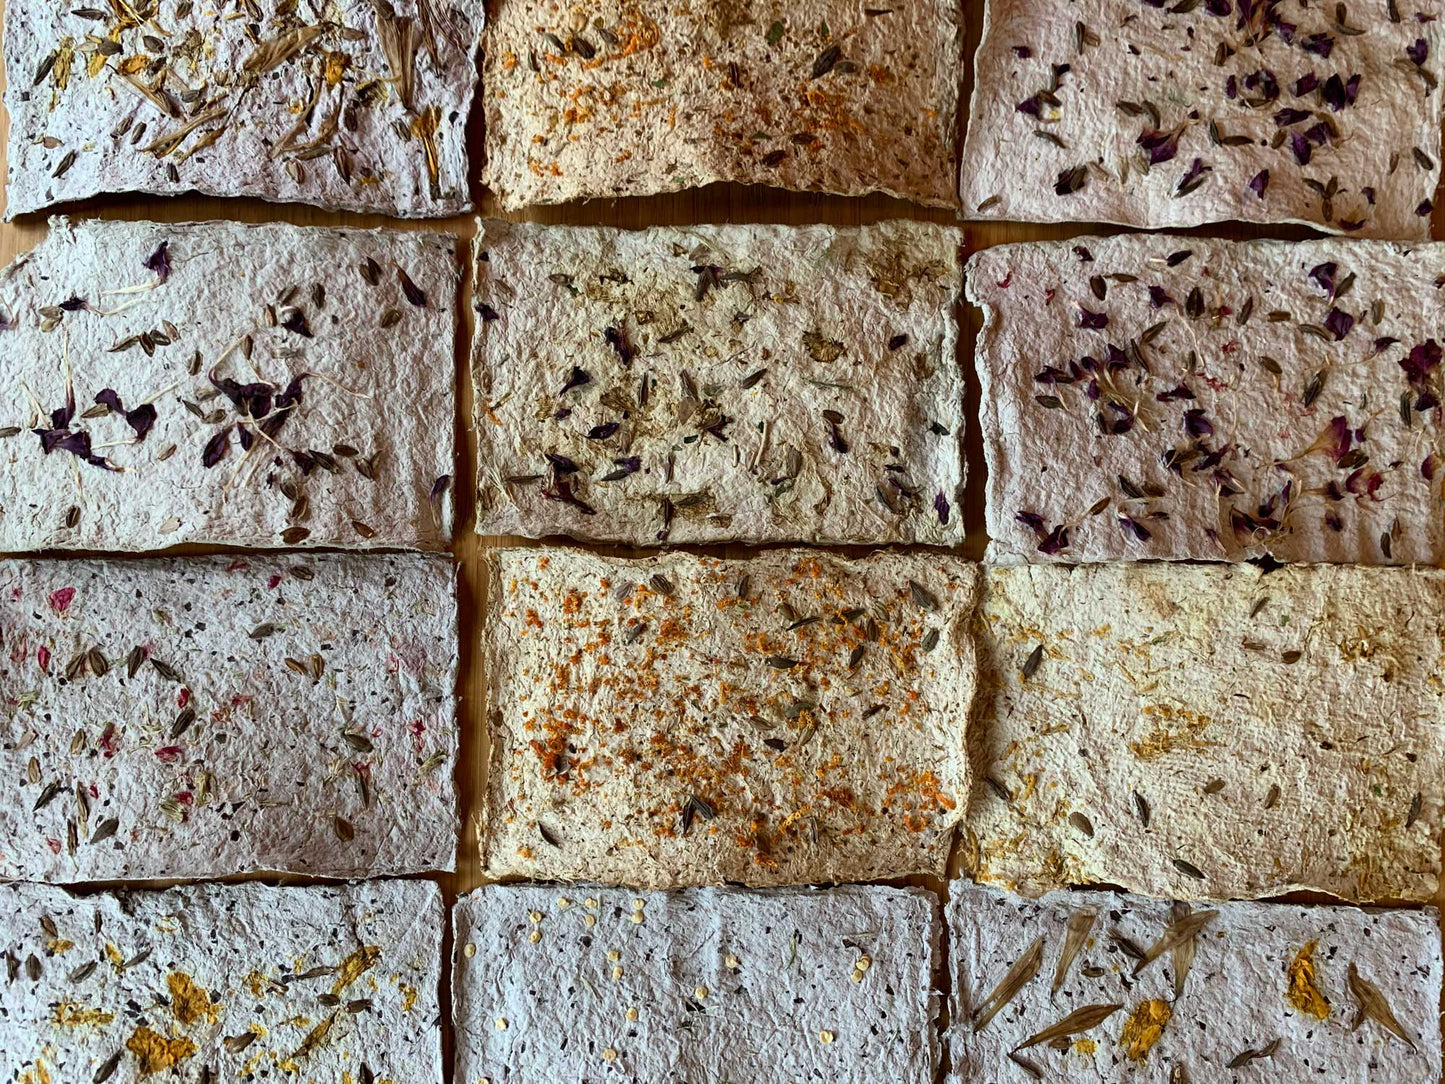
(679, 720)
(1209, 731)
(1177, 397)
(720, 383)
(1161, 114)
(362, 108)
(1261, 976)
(638, 99)
(268, 385)
(206, 716)
(222, 982)
(703, 984)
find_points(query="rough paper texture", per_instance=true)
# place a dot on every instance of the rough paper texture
(364, 109)
(679, 720)
(1176, 397)
(222, 982)
(204, 716)
(705, 984)
(1280, 730)
(1163, 114)
(238, 385)
(720, 383)
(1237, 993)
(634, 99)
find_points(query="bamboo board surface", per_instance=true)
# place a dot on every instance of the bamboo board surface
(713, 204)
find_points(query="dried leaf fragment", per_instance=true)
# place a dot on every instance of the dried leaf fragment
(1015, 979)
(1081, 1019)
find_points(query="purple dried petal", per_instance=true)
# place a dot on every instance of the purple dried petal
(1369, 193)
(1425, 208)
(941, 506)
(410, 289)
(1196, 424)
(1231, 87)
(1427, 466)
(1419, 52)
(561, 465)
(561, 490)
(1383, 343)
(603, 431)
(1161, 146)
(1094, 321)
(1339, 323)
(159, 261)
(295, 321)
(1421, 361)
(1350, 225)
(1084, 255)
(631, 464)
(487, 313)
(1302, 149)
(1130, 525)
(247, 437)
(1336, 438)
(1032, 520)
(440, 486)
(1324, 274)
(1056, 542)
(1426, 400)
(141, 419)
(1031, 106)
(1336, 95)
(107, 397)
(216, 448)
(74, 304)
(1318, 134)
(1285, 117)
(1306, 84)
(576, 379)
(1196, 169)
(1175, 394)
(1259, 182)
(1023, 52)
(1158, 297)
(1319, 44)
(1174, 259)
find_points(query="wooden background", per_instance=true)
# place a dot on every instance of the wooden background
(713, 204)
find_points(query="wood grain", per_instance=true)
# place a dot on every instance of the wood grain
(713, 204)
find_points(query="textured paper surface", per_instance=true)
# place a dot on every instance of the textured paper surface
(801, 385)
(681, 720)
(204, 716)
(1263, 96)
(345, 401)
(223, 982)
(636, 99)
(1225, 402)
(1236, 995)
(705, 984)
(1281, 731)
(363, 109)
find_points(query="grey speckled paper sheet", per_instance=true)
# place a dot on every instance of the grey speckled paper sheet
(794, 718)
(750, 987)
(222, 982)
(1209, 731)
(265, 385)
(1155, 113)
(1180, 397)
(720, 383)
(205, 716)
(1261, 977)
(361, 107)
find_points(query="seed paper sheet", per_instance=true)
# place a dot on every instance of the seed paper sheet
(638, 99)
(364, 109)
(1177, 397)
(720, 383)
(1153, 114)
(1209, 732)
(704, 984)
(223, 982)
(241, 385)
(205, 716)
(679, 720)
(1261, 976)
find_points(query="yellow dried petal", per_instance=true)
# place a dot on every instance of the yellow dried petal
(1303, 994)
(1144, 1026)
